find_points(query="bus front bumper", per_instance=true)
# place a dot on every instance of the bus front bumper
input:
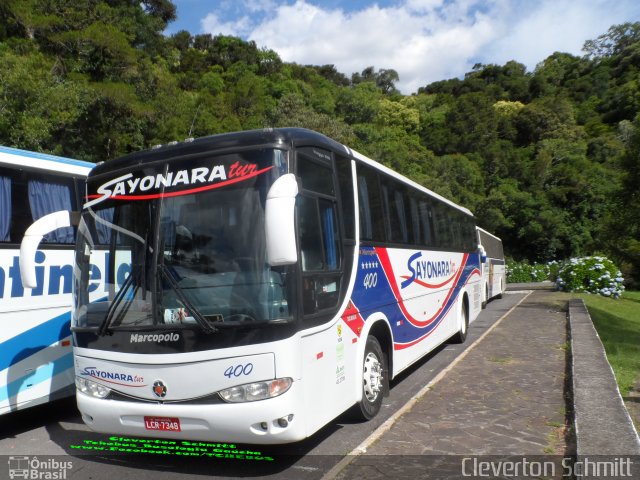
(271, 421)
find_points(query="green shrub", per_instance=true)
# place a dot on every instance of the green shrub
(597, 275)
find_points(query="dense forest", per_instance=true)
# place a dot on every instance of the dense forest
(549, 160)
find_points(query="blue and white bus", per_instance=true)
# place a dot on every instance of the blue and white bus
(36, 362)
(252, 286)
(493, 266)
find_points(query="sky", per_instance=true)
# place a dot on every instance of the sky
(423, 40)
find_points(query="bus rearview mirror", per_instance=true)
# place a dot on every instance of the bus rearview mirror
(32, 238)
(280, 221)
(483, 254)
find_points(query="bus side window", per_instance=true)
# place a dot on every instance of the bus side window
(443, 226)
(311, 251)
(371, 209)
(414, 215)
(345, 185)
(14, 202)
(48, 196)
(394, 206)
(25, 197)
(319, 236)
(426, 223)
(320, 254)
(5, 208)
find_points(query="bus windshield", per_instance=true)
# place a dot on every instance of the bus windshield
(181, 243)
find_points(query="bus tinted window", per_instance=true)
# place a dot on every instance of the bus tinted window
(469, 227)
(370, 200)
(394, 202)
(5, 210)
(311, 250)
(426, 223)
(345, 184)
(26, 197)
(315, 177)
(319, 234)
(47, 196)
(414, 221)
(442, 221)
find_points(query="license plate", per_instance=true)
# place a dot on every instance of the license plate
(166, 424)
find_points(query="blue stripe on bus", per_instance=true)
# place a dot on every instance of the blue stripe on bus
(42, 374)
(34, 340)
(46, 156)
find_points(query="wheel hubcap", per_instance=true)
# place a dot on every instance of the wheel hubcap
(372, 376)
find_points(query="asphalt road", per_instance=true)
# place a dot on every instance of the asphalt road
(55, 434)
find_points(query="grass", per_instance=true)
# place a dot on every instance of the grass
(618, 324)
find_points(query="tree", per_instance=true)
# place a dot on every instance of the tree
(358, 104)
(397, 114)
(38, 108)
(384, 79)
(472, 121)
(292, 111)
(617, 39)
(622, 228)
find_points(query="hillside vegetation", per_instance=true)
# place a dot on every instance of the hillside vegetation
(549, 160)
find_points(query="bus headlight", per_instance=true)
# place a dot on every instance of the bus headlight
(251, 392)
(91, 388)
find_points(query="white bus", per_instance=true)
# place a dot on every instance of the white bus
(493, 266)
(250, 287)
(36, 363)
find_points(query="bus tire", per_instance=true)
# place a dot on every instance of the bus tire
(373, 368)
(461, 336)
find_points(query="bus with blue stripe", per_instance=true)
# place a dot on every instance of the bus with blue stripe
(252, 286)
(36, 361)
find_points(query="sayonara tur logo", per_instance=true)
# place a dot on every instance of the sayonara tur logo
(159, 389)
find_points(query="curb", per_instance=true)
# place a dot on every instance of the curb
(602, 424)
(516, 287)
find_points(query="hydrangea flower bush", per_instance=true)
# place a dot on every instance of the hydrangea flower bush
(523, 272)
(597, 275)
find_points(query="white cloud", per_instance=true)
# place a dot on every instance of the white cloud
(424, 40)
(558, 26)
(214, 25)
(423, 46)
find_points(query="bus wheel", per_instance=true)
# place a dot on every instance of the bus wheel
(373, 367)
(461, 336)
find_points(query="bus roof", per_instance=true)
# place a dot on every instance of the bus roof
(291, 137)
(43, 161)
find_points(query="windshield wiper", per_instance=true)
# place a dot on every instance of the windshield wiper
(108, 318)
(200, 320)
